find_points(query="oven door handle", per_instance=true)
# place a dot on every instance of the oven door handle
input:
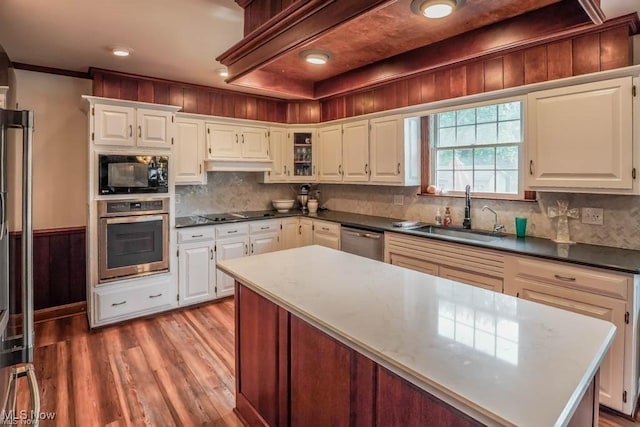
(136, 219)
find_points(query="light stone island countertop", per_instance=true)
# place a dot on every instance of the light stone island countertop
(502, 360)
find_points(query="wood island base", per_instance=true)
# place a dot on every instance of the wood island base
(289, 373)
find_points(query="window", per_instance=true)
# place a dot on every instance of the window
(480, 147)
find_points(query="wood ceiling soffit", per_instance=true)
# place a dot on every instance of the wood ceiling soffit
(93, 71)
(545, 25)
(244, 3)
(593, 10)
(295, 26)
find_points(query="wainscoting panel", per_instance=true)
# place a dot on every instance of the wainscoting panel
(59, 267)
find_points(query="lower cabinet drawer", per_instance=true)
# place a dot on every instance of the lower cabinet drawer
(121, 302)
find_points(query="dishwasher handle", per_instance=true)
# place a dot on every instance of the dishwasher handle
(354, 233)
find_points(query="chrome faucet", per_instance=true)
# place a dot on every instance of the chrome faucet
(496, 227)
(466, 222)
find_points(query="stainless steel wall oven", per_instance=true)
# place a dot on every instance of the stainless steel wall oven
(133, 238)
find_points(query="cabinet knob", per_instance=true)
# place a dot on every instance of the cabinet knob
(155, 296)
(246, 249)
(530, 167)
(115, 304)
(398, 168)
(139, 131)
(366, 167)
(130, 130)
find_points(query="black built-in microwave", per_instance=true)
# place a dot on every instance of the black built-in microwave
(127, 174)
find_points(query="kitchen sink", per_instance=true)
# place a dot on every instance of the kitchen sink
(459, 233)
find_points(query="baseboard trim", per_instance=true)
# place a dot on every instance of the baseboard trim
(60, 311)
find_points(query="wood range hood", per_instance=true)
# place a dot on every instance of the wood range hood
(372, 42)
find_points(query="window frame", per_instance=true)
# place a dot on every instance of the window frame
(428, 167)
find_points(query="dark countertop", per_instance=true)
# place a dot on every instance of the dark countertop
(624, 260)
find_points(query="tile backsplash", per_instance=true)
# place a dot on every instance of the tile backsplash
(241, 191)
(230, 192)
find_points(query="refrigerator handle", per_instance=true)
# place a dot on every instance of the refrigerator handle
(3, 215)
(34, 391)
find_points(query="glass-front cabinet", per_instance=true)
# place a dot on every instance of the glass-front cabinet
(303, 160)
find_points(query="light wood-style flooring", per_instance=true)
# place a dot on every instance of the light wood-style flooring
(175, 369)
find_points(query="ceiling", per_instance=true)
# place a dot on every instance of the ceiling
(179, 40)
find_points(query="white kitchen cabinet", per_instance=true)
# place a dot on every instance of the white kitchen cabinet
(190, 152)
(264, 236)
(280, 155)
(471, 278)
(306, 232)
(196, 272)
(196, 265)
(232, 241)
(154, 128)
(592, 292)
(394, 150)
(223, 141)
(131, 299)
(113, 125)
(254, 142)
(128, 126)
(330, 153)
(580, 138)
(229, 248)
(413, 263)
(120, 123)
(326, 234)
(291, 233)
(462, 263)
(264, 243)
(230, 141)
(355, 151)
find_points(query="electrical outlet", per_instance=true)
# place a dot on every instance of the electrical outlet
(593, 216)
(398, 199)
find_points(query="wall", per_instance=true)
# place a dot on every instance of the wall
(230, 192)
(59, 149)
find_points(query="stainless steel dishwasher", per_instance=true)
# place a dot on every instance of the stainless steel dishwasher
(365, 243)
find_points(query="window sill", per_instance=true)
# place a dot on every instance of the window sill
(461, 196)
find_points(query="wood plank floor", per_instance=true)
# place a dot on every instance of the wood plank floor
(175, 369)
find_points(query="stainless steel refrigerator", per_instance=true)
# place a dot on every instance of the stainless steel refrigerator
(16, 296)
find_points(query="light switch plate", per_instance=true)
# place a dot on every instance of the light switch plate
(593, 216)
(398, 199)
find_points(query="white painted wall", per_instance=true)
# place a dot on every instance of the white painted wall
(59, 149)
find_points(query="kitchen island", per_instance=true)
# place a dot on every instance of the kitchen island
(332, 338)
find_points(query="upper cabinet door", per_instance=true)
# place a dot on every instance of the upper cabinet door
(330, 160)
(279, 153)
(581, 137)
(254, 142)
(189, 152)
(387, 150)
(153, 128)
(355, 151)
(223, 141)
(114, 125)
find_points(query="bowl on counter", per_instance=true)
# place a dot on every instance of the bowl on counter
(283, 205)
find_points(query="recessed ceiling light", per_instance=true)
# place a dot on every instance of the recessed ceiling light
(434, 8)
(316, 57)
(121, 51)
(223, 72)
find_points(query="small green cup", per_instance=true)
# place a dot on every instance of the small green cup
(521, 227)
